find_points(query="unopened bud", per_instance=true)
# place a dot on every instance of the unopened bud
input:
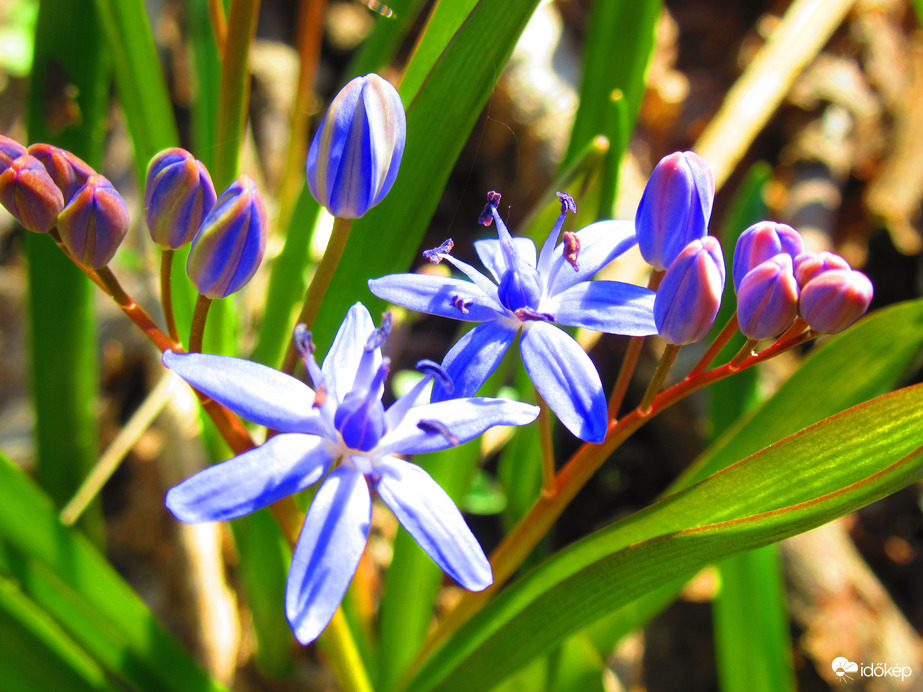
(767, 299)
(835, 299)
(356, 151)
(763, 241)
(68, 171)
(177, 197)
(229, 245)
(10, 150)
(689, 296)
(30, 195)
(94, 223)
(675, 207)
(810, 265)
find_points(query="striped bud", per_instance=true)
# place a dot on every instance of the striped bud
(356, 152)
(30, 195)
(10, 150)
(177, 196)
(835, 299)
(69, 172)
(810, 265)
(94, 222)
(675, 207)
(763, 241)
(767, 299)
(689, 296)
(229, 245)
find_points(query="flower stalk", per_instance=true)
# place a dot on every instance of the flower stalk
(199, 317)
(166, 292)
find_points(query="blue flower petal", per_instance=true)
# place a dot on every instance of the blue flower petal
(342, 361)
(474, 357)
(567, 380)
(262, 395)
(430, 516)
(605, 306)
(600, 243)
(436, 295)
(283, 465)
(328, 551)
(463, 419)
(492, 257)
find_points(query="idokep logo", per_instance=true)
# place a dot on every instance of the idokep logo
(842, 667)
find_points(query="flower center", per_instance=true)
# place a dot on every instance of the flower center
(520, 288)
(360, 419)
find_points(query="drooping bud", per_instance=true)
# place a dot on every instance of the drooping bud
(763, 241)
(30, 195)
(356, 152)
(68, 171)
(767, 300)
(229, 245)
(178, 195)
(94, 223)
(810, 265)
(675, 207)
(10, 150)
(835, 299)
(689, 296)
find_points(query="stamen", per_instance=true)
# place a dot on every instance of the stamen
(567, 203)
(434, 426)
(435, 255)
(572, 249)
(527, 313)
(320, 396)
(461, 304)
(380, 335)
(486, 217)
(435, 370)
(302, 339)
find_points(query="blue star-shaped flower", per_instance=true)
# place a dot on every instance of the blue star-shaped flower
(341, 424)
(532, 295)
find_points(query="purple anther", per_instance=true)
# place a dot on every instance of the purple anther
(461, 304)
(302, 339)
(380, 335)
(434, 426)
(320, 395)
(435, 255)
(433, 369)
(572, 249)
(567, 203)
(527, 313)
(486, 218)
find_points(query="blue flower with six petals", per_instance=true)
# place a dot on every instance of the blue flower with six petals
(341, 425)
(531, 295)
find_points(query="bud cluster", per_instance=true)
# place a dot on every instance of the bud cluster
(776, 281)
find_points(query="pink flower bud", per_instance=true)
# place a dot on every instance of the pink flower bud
(767, 300)
(761, 242)
(689, 296)
(69, 172)
(30, 195)
(835, 299)
(94, 223)
(810, 265)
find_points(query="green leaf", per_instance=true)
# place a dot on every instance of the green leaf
(58, 569)
(439, 118)
(806, 480)
(37, 655)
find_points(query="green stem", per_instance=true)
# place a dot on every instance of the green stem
(199, 317)
(660, 374)
(320, 283)
(545, 441)
(339, 647)
(166, 292)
